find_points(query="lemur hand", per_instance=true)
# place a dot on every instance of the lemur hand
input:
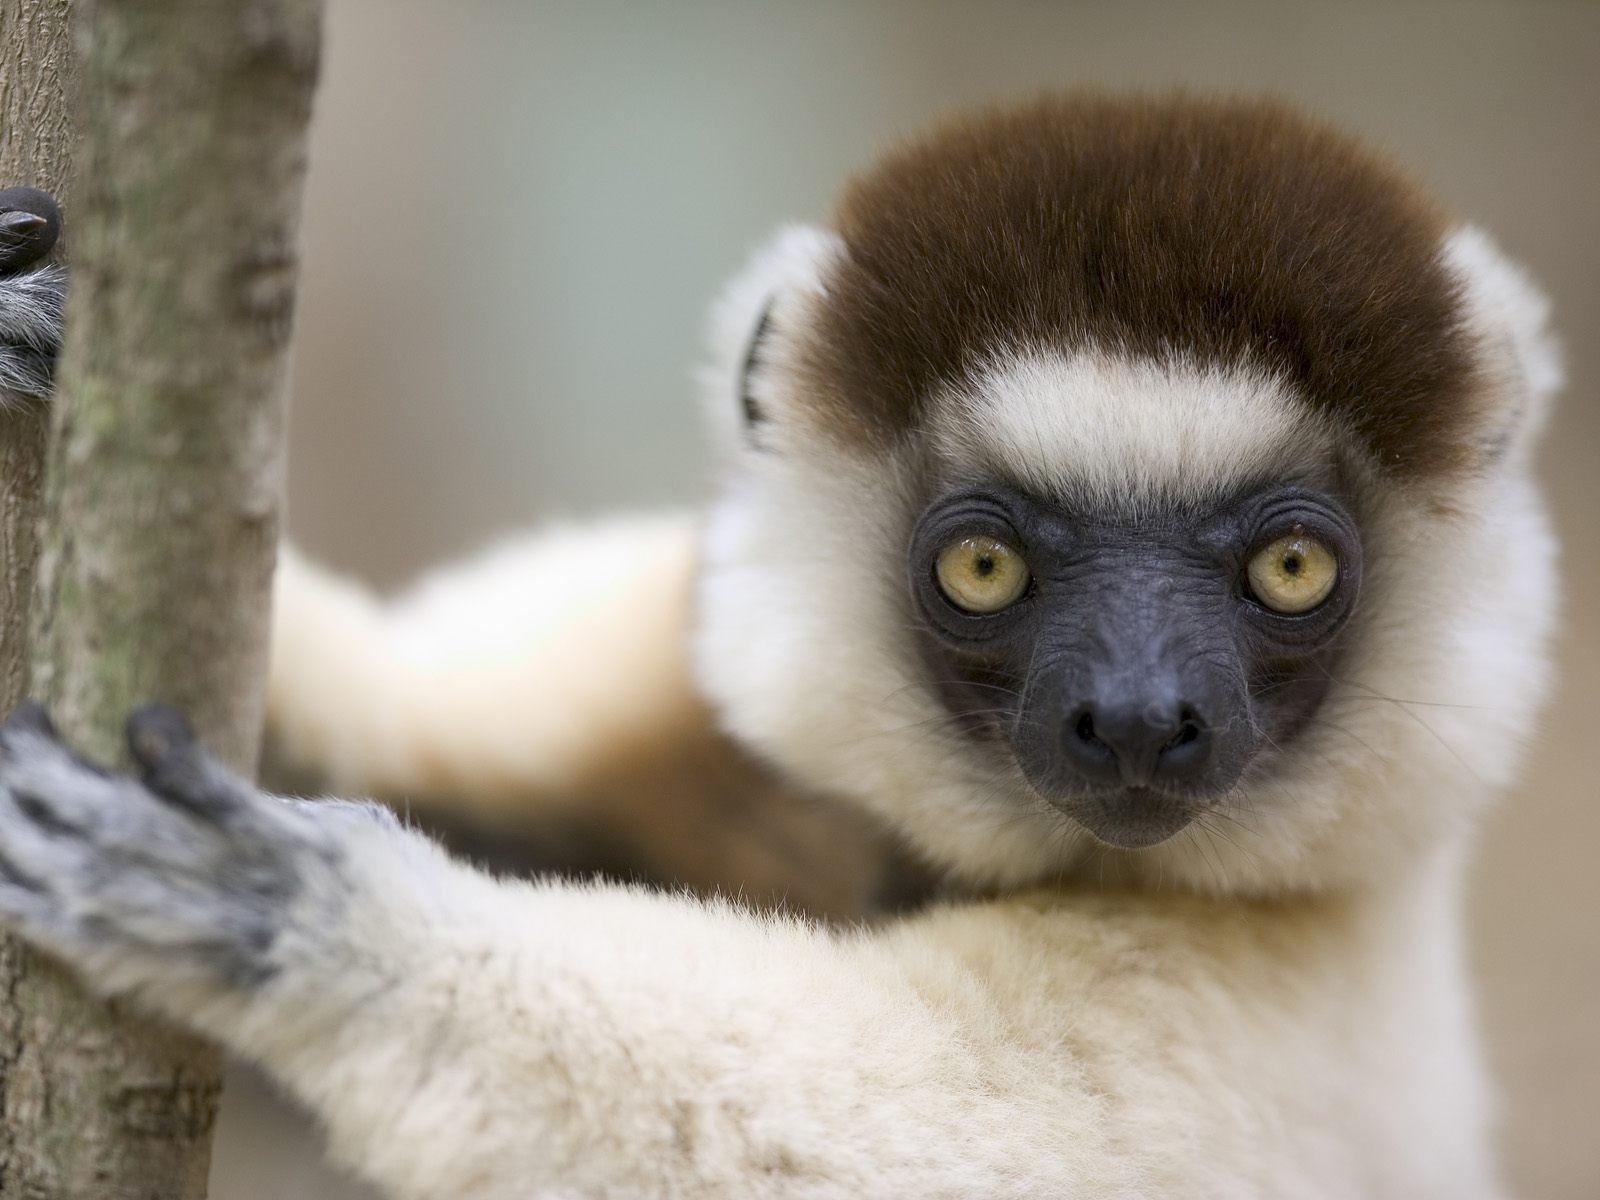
(185, 878)
(31, 296)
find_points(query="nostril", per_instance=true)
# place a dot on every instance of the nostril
(1086, 740)
(1188, 733)
(1084, 728)
(1186, 748)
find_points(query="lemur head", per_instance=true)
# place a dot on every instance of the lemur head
(1138, 484)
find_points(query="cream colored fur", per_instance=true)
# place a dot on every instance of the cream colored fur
(486, 1041)
(1098, 429)
(1275, 1007)
(444, 693)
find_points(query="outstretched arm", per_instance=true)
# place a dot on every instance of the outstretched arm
(470, 1038)
(511, 675)
(537, 704)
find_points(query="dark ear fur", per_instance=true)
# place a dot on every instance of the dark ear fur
(753, 415)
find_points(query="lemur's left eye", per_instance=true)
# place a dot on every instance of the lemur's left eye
(1293, 574)
(981, 574)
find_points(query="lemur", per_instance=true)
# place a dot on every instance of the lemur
(1128, 501)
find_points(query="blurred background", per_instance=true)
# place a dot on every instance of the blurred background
(518, 212)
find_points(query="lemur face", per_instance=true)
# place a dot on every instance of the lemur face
(1135, 484)
(1133, 666)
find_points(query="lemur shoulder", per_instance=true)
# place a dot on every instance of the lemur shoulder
(1128, 503)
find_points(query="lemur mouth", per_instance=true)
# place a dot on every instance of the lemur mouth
(1134, 818)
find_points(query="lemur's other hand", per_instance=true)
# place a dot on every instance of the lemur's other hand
(32, 296)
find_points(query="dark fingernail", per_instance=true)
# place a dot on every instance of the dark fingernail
(30, 223)
(155, 730)
(148, 742)
(19, 224)
(29, 199)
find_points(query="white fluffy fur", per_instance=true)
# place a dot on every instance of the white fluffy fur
(1118, 433)
(30, 322)
(1510, 316)
(502, 1041)
(488, 1041)
(1300, 1028)
(446, 691)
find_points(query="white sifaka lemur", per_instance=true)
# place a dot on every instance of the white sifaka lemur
(1128, 503)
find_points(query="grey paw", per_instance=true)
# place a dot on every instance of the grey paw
(32, 297)
(185, 874)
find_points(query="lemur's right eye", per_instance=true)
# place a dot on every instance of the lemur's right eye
(981, 574)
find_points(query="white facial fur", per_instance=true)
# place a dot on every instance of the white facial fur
(803, 637)
(1131, 433)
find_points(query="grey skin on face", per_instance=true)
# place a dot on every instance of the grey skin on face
(1140, 672)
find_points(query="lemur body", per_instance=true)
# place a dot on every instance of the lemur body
(1130, 504)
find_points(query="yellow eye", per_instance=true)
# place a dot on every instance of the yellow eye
(1293, 574)
(981, 574)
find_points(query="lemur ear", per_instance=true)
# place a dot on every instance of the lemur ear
(750, 323)
(1509, 316)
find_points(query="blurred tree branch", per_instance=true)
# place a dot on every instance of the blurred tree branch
(162, 494)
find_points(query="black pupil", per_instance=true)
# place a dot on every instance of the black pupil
(984, 565)
(1291, 564)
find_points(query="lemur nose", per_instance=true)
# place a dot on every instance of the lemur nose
(1136, 744)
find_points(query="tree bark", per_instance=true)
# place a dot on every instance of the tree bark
(161, 512)
(37, 74)
(37, 90)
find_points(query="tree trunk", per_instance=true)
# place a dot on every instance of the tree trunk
(162, 511)
(37, 75)
(37, 72)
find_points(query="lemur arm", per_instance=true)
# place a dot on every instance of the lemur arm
(537, 704)
(521, 672)
(491, 1040)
